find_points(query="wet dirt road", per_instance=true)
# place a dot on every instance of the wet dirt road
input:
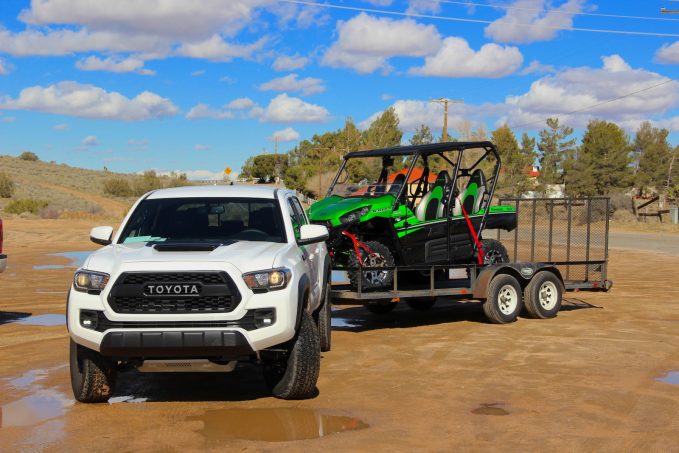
(602, 376)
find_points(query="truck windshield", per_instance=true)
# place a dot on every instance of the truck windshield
(205, 220)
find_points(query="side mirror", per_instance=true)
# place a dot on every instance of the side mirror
(101, 235)
(311, 234)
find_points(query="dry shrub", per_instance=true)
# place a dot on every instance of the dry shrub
(28, 205)
(29, 156)
(148, 182)
(6, 186)
(118, 187)
(623, 216)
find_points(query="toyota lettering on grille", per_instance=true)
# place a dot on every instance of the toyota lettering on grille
(178, 289)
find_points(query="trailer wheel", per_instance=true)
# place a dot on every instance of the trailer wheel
(380, 308)
(421, 304)
(504, 301)
(543, 295)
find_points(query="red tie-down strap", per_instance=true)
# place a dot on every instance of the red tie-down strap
(481, 256)
(357, 245)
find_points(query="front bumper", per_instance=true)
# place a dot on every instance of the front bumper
(3, 263)
(190, 344)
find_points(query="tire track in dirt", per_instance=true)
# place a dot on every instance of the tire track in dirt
(112, 207)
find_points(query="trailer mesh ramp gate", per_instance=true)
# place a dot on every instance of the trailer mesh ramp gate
(570, 233)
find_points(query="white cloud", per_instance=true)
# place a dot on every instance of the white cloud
(60, 127)
(90, 140)
(285, 135)
(535, 67)
(365, 43)
(216, 49)
(228, 80)
(5, 68)
(196, 175)
(89, 101)
(286, 109)
(568, 90)
(291, 83)
(198, 73)
(201, 147)
(387, 97)
(205, 111)
(113, 64)
(289, 62)
(456, 59)
(423, 6)
(668, 54)
(240, 104)
(511, 27)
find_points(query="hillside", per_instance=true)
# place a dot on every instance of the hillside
(70, 192)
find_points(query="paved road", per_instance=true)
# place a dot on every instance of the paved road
(652, 242)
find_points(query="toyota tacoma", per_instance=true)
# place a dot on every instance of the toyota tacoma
(202, 279)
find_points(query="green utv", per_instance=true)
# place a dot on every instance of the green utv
(413, 206)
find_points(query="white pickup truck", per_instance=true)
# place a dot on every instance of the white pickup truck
(200, 279)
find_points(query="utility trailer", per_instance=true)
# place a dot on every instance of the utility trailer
(559, 245)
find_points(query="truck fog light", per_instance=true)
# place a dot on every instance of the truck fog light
(89, 319)
(265, 317)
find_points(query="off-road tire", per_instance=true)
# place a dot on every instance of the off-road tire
(504, 299)
(421, 304)
(380, 308)
(379, 249)
(323, 318)
(93, 377)
(293, 375)
(494, 252)
(543, 296)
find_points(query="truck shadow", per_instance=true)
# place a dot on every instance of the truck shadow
(245, 383)
(359, 319)
(7, 317)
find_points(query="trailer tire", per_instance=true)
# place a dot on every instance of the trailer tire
(421, 304)
(380, 308)
(504, 301)
(372, 280)
(543, 295)
(93, 376)
(293, 376)
(494, 252)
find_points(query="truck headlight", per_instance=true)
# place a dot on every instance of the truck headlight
(354, 215)
(90, 282)
(268, 280)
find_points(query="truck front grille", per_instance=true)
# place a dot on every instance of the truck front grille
(218, 293)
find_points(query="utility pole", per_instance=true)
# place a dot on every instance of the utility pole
(320, 168)
(445, 103)
(275, 159)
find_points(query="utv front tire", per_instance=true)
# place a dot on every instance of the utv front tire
(293, 375)
(372, 279)
(93, 377)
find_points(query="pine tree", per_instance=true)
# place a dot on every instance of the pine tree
(653, 154)
(516, 161)
(422, 136)
(554, 147)
(383, 131)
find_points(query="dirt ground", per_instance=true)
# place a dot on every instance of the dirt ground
(442, 380)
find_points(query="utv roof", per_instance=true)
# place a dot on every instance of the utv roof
(431, 148)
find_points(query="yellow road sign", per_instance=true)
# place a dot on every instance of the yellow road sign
(228, 171)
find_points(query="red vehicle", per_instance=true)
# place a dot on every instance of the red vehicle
(3, 258)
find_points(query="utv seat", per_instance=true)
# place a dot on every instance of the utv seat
(472, 197)
(431, 205)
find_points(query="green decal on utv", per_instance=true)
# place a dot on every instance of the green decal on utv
(413, 206)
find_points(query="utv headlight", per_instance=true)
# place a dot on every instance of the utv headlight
(354, 215)
(89, 281)
(269, 280)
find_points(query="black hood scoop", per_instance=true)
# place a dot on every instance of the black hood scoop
(187, 246)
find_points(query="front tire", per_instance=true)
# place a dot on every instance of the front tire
(504, 301)
(293, 375)
(373, 279)
(93, 377)
(543, 296)
(324, 321)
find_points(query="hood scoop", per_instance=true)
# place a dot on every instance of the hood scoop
(187, 246)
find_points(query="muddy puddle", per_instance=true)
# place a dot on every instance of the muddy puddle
(671, 377)
(490, 409)
(272, 425)
(76, 260)
(47, 320)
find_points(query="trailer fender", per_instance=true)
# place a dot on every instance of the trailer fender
(523, 272)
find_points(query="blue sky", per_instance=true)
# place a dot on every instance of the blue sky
(197, 86)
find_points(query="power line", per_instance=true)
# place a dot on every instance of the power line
(475, 21)
(555, 11)
(608, 101)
